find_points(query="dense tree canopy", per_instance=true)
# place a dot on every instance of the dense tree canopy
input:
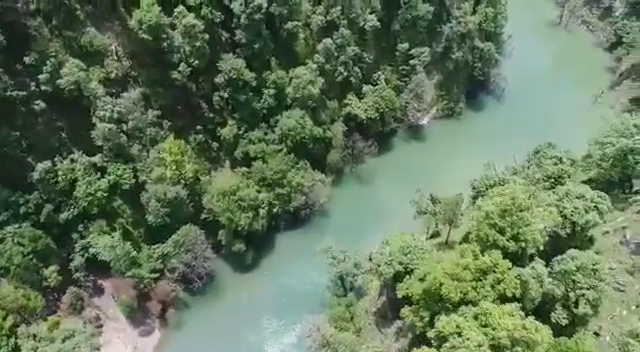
(522, 278)
(225, 115)
(447, 281)
(490, 328)
(141, 138)
(514, 219)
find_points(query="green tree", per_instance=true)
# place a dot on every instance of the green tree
(514, 219)
(239, 205)
(175, 162)
(581, 342)
(188, 257)
(429, 209)
(581, 209)
(490, 328)
(26, 255)
(576, 289)
(395, 259)
(346, 272)
(22, 305)
(125, 127)
(612, 161)
(547, 167)
(58, 335)
(8, 333)
(534, 283)
(451, 213)
(447, 281)
(165, 205)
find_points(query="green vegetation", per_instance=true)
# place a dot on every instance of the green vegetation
(530, 268)
(139, 139)
(618, 322)
(142, 139)
(617, 23)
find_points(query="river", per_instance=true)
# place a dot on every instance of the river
(552, 75)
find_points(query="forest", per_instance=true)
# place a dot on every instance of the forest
(143, 139)
(531, 260)
(519, 273)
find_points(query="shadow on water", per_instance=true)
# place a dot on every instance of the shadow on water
(414, 133)
(477, 103)
(249, 260)
(263, 246)
(355, 173)
(385, 145)
(553, 23)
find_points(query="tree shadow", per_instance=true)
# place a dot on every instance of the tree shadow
(442, 246)
(620, 202)
(362, 178)
(262, 247)
(353, 172)
(385, 146)
(143, 321)
(250, 260)
(553, 23)
(477, 103)
(415, 133)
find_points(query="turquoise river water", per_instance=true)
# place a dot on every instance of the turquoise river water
(552, 75)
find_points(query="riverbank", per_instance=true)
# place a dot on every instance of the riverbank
(118, 334)
(615, 25)
(551, 77)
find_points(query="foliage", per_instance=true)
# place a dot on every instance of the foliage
(27, 253)
(490, 328)
(189, 257)
(58, 335)
(429, 209)
(581, 209)
(575, 293)
(451, 213)
(547, 167)
(8, 332)
(447, 281)
(514, 219)
(524, 278)
(397, 257)
(612, 161)
(73, 301)
(22, 304)
(346, 272)
(137, 140)
(127, 305)
(579, 343)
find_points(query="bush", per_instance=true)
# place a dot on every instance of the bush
(73, 301)
(127, 305)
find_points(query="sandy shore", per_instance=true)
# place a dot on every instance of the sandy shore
(117, 334)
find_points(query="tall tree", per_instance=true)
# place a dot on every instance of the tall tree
(515, 219)
(447, 281)
(490, 328)
(451, 213)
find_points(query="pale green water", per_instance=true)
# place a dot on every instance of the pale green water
(552, 76)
